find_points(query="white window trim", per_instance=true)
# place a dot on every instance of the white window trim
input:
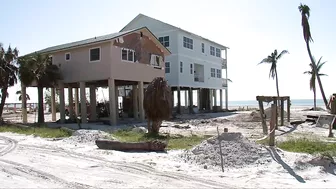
(121, 49)
(202, 48)
(213, 72)
(155, 66)
(69, 56)
(99, 47)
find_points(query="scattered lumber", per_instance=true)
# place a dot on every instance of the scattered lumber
(298, 122)
(131, 146)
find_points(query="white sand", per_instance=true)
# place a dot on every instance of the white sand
(33, 162)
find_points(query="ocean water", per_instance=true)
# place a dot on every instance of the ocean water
(294, 102)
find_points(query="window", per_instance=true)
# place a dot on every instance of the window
(167, 67)
(181, 67)
(95, 54)
(67, 56)
(202, 47)
(219, 73)
(155, 60)
(188, 43)
(164, 41)
(191, 69)
(218, 52)
(128, 55)
(212, 50)
(213, 72)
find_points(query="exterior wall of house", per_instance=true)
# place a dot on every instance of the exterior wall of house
(79, 68)
(196, 56)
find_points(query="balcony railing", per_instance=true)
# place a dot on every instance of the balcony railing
(224, 82)
(224, 63)
(198, 78)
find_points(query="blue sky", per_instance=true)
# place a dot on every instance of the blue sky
(251, 28)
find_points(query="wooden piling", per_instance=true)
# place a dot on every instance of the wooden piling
(272, 125)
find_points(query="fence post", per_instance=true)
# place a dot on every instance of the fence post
(272, 124)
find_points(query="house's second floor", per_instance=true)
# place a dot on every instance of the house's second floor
(182, 42)
(134, 55)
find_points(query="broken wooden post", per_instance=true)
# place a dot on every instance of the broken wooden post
(282, 112)
(263, 121)
(288, 109)
(273, 124)
(276, 112)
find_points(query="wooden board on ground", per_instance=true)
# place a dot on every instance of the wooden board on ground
(131, 146)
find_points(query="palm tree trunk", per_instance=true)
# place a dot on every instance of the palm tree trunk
(314, 91)
(317, 76)
(40, 105)
(277, 82)
(3, 99)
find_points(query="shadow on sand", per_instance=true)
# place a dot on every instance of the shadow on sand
(276, 157)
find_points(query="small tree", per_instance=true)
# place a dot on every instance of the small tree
(157, 104)
(313, 74)
(20, 95)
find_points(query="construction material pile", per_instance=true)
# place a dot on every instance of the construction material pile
(86, 136)
(237, 152)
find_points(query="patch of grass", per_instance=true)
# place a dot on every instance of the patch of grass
(43, 132)
(309, 146)
(174, 141)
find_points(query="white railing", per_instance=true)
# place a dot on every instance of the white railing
(224, 63)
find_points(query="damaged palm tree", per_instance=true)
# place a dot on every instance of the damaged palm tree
(157, 104)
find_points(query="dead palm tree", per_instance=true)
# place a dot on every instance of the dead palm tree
(8, 72)
(273, 60)
(305, 14)
(157, 104)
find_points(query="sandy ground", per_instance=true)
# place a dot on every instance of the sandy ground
(33, 162)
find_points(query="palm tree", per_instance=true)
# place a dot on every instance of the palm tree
(313, 77)
(20, 95)
(305, 14)
(157, 104)
(273, 59)
(37, 68)
(8, 72)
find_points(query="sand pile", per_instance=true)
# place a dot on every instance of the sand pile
(86, 136)
(238, 152)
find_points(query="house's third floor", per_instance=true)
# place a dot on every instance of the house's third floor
(182, 42)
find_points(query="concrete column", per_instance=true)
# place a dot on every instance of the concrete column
(221, 98)
(141, 98)
(76, 101)
(71, 106)
(93, 103)
(83, 102)
(199, 99)
(62, 102)
(226, 99)
(178, 110)
(117, 100)
(215, 97)
(135, 102)
(112, 102)
(191, 103)
(24, 103)
(211, 98)
(53, 104)
(186, 99)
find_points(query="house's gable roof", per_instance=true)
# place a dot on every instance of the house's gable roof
(142, 15)
(99, 39)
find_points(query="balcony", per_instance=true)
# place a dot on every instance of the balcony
(224, 63)
(198, 78)
(224, 82)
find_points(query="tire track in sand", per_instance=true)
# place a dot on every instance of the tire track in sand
(132, 167)
(12, 167)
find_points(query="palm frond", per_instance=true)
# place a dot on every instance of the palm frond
(282, 53)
